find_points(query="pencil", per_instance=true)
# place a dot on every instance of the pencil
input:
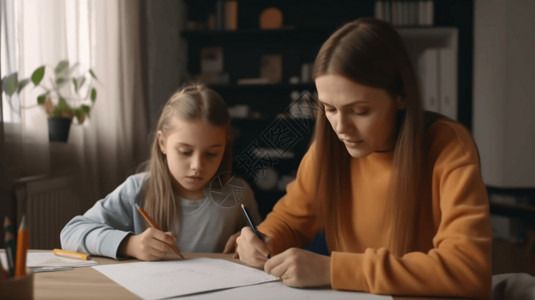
(155, 226)
(70, 254)
(253, 226)
(22, 249)
(9, 239)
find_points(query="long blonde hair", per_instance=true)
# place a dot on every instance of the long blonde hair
(371, 52)
(191, 103)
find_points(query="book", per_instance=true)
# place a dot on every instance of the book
(231, 15)
(271, 67)
(212, 60)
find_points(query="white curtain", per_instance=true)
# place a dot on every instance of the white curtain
(105, 36)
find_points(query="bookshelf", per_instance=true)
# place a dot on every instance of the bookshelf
(239, 53)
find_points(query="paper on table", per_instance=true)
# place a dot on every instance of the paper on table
(46, 262)
(277, 290)
(164, 279)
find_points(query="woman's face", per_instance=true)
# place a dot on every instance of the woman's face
(363, 117)
(194, 152)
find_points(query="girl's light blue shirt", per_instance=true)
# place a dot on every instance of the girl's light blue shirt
(204, 226)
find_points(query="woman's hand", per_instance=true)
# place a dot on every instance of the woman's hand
(152, 244)
(252, 250)
(300, 268)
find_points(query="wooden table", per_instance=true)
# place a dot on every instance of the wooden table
(88, 283)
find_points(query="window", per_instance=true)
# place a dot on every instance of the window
(10, 106)
(35, 33)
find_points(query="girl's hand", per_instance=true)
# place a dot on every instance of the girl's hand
(152, 244)
(252, 250)
(300, 268)
(231, 243)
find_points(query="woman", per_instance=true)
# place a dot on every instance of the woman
(398, 192)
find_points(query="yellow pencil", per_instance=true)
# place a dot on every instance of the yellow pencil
(155, 226)
(23, 239)
(70, 254)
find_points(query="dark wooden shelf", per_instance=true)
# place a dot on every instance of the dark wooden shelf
(268, 99)
(513, 210)
(524, 211)
(265, 122)
(261, 88)
(255, 36)
(306, 26)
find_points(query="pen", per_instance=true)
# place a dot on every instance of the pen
(155, 226)
(22, 249)
(9, 239)
(70, 254)
(253, 226)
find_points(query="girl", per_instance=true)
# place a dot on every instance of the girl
(398, 192)
(190, 147)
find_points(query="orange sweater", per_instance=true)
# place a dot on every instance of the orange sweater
(453, 257)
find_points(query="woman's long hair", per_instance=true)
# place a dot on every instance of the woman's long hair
(191, 103)
(370, 52)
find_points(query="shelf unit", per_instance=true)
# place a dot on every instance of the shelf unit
(306, 26)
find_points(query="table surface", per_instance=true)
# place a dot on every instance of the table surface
(88, 283)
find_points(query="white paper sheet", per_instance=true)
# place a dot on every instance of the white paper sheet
(164, 279)
(47, 261)
(277, 290)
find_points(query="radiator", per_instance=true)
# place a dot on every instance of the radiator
(47, 203)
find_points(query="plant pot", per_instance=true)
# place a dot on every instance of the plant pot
(58, 129)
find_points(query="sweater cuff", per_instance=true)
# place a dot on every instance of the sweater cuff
(278, 238)
(109, 242)
(346, 271)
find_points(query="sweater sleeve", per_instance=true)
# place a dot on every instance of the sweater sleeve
(458, 264)
(103, 227)
(293, 222)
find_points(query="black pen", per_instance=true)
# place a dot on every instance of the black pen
(253, 226)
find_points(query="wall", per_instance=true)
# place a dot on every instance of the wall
(164, 53)
(504, 104)
(22, 160)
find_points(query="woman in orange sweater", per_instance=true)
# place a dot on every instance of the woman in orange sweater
(398, 193)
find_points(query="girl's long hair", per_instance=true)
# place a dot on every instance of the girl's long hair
(371, 52)
(191, 103)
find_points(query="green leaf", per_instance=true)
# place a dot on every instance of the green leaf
(38, 75)
(75, 82)
(63, 109)
(41, 99)
(22, 84)
(93, 94)
(60, 81)
(62, 104)
(85, 108)
(93, 74)
(79, 114)
(11, 84)
(56, 112)
(62, 66)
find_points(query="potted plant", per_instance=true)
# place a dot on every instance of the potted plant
(68, 94)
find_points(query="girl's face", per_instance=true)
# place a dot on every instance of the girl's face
(194, 151)
(362, 117)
